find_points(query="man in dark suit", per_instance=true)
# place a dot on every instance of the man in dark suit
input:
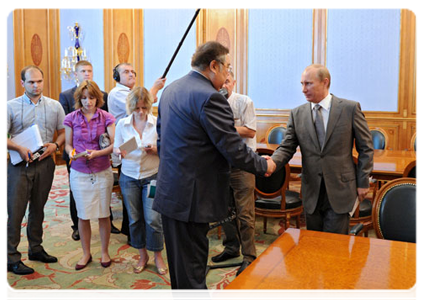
(83, 71)
(197, 144)
(326, 129)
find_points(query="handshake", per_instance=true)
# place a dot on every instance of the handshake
(271, 166)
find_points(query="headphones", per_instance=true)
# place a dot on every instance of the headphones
(116, 75)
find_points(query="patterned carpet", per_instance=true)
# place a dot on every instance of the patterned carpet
(58, 242)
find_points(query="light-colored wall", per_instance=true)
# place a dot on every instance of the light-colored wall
(10, 59)
(163, 31)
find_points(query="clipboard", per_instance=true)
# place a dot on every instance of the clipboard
(29, 138)
(129, 146)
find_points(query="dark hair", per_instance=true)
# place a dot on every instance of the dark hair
(208, 52)
(93, 90)
(28, 68)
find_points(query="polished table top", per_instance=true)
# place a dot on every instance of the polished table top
(385, 162)
(301, 259)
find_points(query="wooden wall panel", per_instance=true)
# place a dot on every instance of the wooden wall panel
(230, 28)
(36, 36)
(123, 42)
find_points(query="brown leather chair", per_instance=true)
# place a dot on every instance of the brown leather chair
(396, 211)
(273, 200)
(410, 170)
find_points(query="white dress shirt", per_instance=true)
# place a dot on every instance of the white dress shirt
(326, 104)
(138, 164)
(244, 115)
(116, 101)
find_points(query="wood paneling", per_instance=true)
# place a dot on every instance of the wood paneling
(230, 28)
(37, 42)
(319, 36)
(123, 42)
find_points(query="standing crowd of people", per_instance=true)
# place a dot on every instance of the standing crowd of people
(200, 152)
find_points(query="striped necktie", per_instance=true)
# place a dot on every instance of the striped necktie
(320, 127)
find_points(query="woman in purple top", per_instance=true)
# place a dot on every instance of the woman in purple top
(91, 177)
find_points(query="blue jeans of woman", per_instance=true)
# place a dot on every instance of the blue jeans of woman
(145, 224)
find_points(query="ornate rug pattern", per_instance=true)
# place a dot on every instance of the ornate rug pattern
(58, 242)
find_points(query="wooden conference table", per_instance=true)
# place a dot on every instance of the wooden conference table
(302, 259)
(387, 164)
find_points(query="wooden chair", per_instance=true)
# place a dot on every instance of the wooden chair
(363, 212)
(410, 170)
(379, 138)
(273, 200)
(275, 134)
(394, 211)
(413, 142)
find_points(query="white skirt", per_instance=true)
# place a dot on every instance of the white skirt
(92, 193)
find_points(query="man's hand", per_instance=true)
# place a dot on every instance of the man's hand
(271, 166)
(157, 86)
(25, 154)
(49, 149)
(362, 192)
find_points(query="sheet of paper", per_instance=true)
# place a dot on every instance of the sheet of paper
(357, 202)
(129, 145)
(29, 138)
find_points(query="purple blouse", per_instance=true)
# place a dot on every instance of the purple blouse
(86, 137)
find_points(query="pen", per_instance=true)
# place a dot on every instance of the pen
(73, 153)
(27, 162)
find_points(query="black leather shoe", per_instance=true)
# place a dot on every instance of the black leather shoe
(19, 268)
(244, 265)
(42, 256)
(75, 235)
(114, 230)
(223, 256)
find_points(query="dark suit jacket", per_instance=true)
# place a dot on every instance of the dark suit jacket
(346, 125)
(197, 144)
(68, 104)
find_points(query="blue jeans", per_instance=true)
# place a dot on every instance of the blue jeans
(145, 224)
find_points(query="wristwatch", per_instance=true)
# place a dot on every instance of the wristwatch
(57, 146)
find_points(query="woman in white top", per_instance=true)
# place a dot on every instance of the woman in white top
(139, 168)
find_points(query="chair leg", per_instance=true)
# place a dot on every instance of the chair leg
(265, 224)
(287, 224)
(219, 232)
(298, 222)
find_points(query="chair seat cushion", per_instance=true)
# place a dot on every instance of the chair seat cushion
(365, 208)
(292, 201)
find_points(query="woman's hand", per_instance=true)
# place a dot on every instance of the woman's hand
(151, 149)
(92, 154)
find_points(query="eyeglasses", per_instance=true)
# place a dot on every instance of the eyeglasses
(228, 67)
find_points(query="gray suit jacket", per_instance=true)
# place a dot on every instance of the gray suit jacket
(334, 163)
